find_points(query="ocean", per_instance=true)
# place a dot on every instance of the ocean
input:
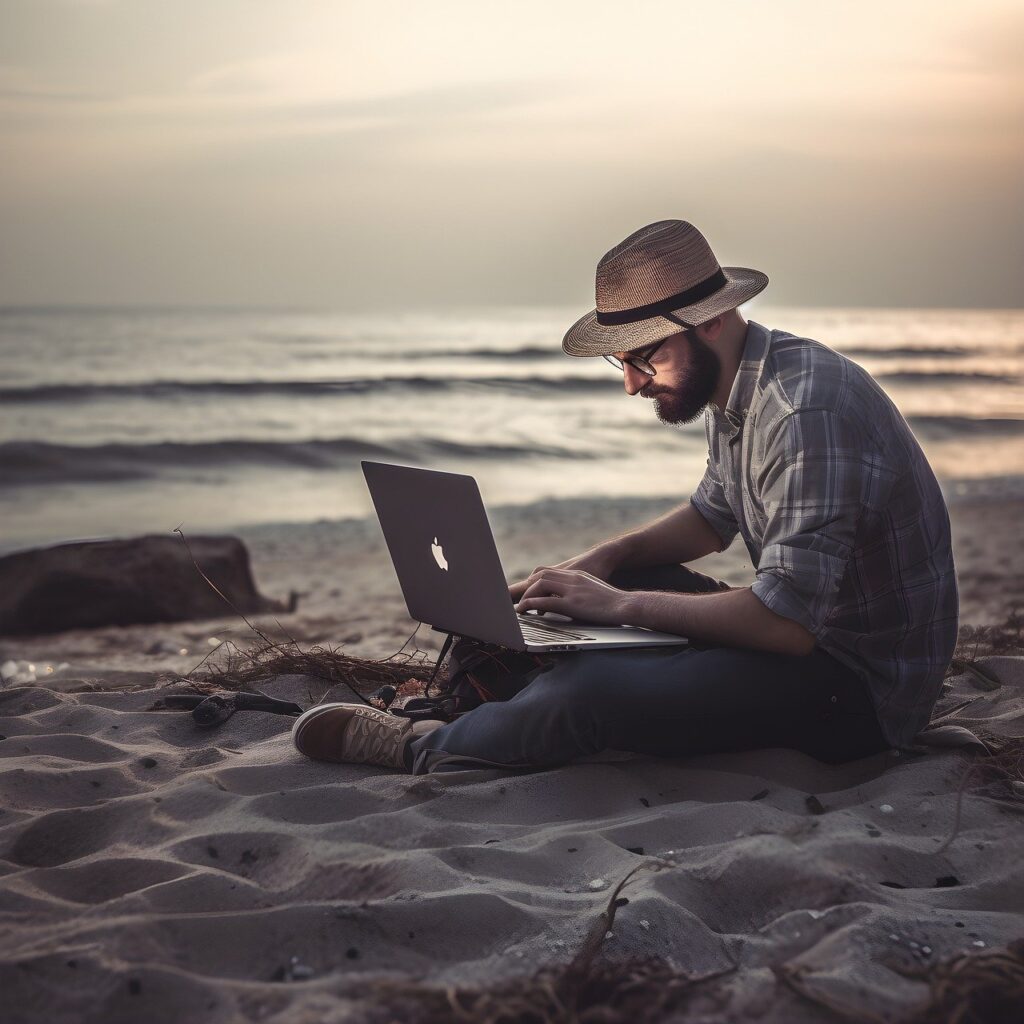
(123, 421)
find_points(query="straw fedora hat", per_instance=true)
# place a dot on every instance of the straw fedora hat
(664, 268)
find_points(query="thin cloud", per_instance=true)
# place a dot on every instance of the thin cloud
(450, 101)
(362, 152)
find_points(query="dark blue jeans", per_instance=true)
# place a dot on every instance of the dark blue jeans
(663, 701)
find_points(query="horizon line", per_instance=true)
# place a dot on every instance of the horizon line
(37, 307)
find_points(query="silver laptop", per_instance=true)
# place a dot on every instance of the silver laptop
(447, 564)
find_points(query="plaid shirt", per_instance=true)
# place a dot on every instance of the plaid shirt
(815, 467)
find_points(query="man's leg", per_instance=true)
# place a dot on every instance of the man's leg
(662, 701)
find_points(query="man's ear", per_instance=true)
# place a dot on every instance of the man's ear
(712, 330)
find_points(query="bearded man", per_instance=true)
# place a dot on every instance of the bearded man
(839, 645)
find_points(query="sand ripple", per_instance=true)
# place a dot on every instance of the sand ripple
(153, 871)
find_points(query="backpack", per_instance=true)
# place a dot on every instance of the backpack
(477, 672)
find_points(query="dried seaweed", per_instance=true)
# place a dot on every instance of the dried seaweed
(971, 988)
(241, 668)
(985, 987)
(974, 642)
(583, 991)
(244, 667)
(1004, 764)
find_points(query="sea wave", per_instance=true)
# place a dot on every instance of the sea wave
(944, 427)
(553, 351)
(903, 351)
(181, 389)
(944, 377)
(39, 462)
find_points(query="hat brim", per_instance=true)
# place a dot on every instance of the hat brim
(587, 337)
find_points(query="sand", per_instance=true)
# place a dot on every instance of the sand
(153, 871)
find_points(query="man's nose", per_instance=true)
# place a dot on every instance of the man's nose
(633, 379)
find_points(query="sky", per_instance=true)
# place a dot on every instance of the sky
(378, 155)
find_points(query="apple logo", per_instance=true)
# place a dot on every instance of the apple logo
(438, 553)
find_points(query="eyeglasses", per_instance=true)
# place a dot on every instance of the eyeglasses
(638, 362)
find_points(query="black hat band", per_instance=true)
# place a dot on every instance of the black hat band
(699, 291)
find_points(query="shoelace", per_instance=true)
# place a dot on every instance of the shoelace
(380, 739)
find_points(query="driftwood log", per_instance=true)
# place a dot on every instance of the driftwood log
(89, 584)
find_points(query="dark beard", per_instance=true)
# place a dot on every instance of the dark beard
(685, 403)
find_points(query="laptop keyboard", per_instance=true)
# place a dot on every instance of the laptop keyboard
(539, 633)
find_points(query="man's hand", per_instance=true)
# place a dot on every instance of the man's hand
(599, 562)
(575, 593)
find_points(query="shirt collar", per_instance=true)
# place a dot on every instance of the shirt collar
(755, 351)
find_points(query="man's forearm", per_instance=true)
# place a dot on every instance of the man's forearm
(682, 535)
(733, 618)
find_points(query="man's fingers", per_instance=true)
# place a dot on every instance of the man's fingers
(549, 575)
(536, 595)
(539, 588)
(543, 603)
(516, 590)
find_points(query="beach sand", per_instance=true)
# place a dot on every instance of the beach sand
(153, 871)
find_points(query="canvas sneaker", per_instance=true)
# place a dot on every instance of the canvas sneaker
(356, 734)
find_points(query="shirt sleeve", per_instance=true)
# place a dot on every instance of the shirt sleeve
(709, 501)
(811, 487)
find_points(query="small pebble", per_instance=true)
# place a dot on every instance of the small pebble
(596, 884)
(979, 943)
(609, 935)
(886, 808)
(913, 945)
(895, 938)
(926, 950)
(816, 913)
(18, 672)
(163, 647)
(296, 970)
(646, 925)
